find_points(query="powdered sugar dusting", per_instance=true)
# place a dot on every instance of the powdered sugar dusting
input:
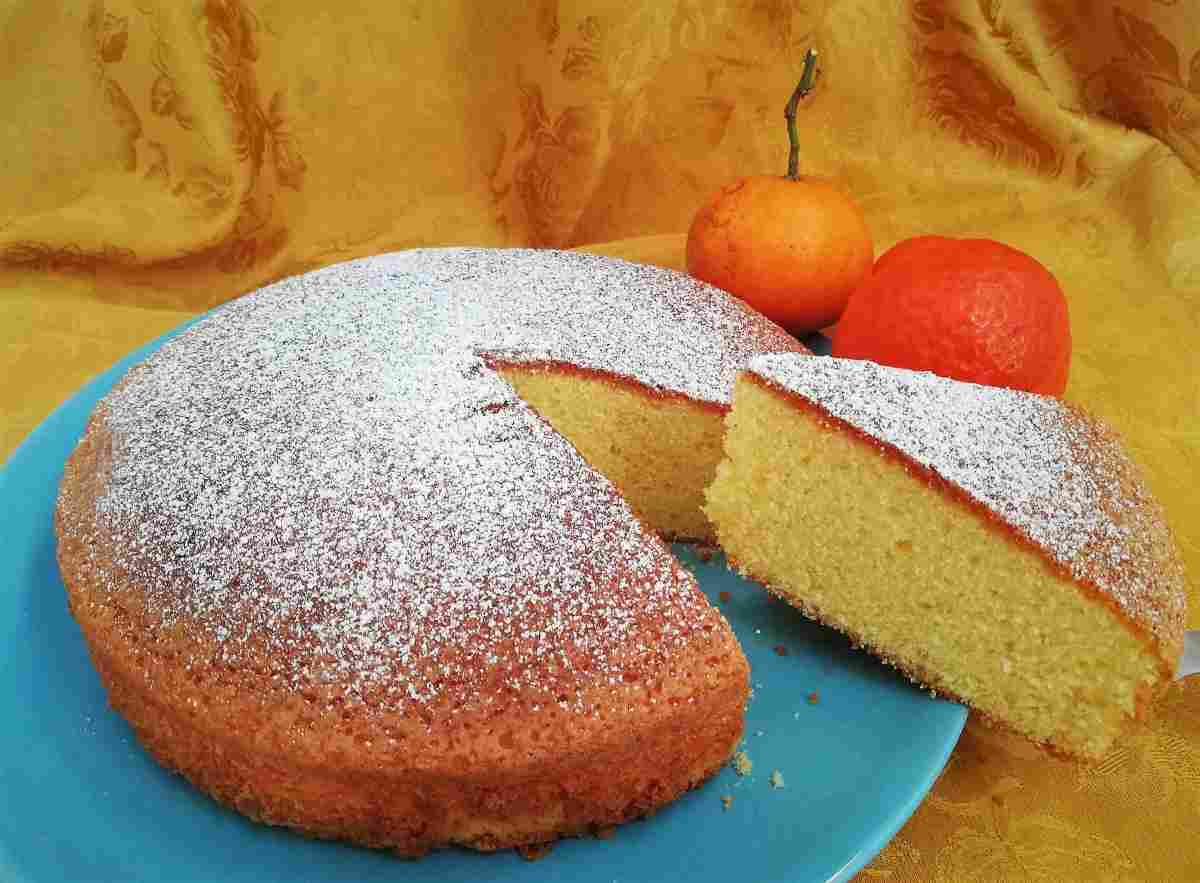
(1058, 477)
(328, 468)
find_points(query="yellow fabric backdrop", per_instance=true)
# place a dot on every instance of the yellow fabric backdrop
(162, 156)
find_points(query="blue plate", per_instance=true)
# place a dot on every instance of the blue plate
(80, 801)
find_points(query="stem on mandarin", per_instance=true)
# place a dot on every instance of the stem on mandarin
(807, 78)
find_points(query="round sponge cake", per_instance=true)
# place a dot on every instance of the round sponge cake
(334, 570)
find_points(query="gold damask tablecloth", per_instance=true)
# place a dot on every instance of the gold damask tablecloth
(162, 156)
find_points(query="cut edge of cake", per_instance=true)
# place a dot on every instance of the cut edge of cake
(660, 449)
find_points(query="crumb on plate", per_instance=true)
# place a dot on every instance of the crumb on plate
(742, 765)
(531, 852)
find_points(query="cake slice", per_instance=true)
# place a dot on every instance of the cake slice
(994, 545)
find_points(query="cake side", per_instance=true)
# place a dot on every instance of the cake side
(927, 583)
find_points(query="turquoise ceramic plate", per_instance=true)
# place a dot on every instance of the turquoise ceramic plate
(80, 801)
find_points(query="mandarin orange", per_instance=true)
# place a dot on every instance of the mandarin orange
(971, 309)
(793, 250)
(792, 247)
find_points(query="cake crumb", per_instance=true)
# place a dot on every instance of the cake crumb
(606, 833)
(531, 852)
(777, 780)
(726, 801)
(814, 697)
(742, 765)
(705, 552)
(781, 650)
(724, 596)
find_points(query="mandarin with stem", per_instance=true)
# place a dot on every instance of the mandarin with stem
(792, 247)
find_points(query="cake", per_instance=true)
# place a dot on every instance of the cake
(371, 553)
(995, 545)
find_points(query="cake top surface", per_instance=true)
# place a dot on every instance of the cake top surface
(1053, 474)
(328, 471)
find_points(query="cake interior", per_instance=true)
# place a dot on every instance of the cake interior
(660, 451)
(834, 525)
